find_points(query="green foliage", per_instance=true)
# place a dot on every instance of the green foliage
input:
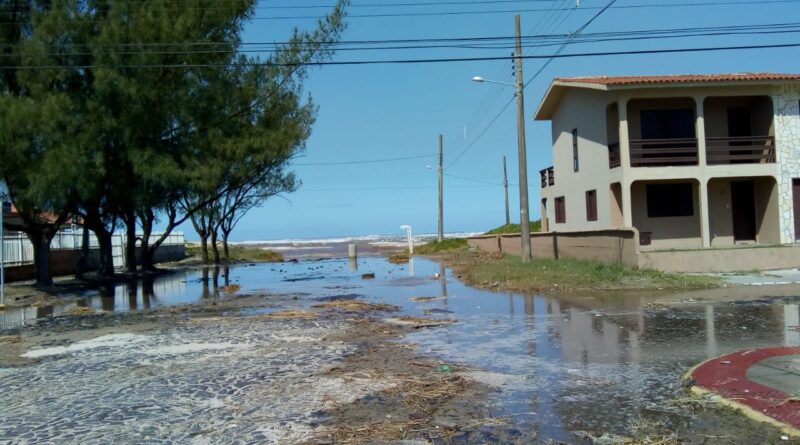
(566, 273)
(436, 246)
(119, 108)
(536, 226)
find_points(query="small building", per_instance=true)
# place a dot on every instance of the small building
(689, 161)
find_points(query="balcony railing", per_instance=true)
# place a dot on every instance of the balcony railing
(614, 159)
(547, 177)
(663, 152)
(740, 150)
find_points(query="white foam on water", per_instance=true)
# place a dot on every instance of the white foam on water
(105, 341)
(189, 348)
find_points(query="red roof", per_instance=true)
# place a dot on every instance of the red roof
(680, 78)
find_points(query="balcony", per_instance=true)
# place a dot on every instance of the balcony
(663, 152)
(740, 150)
(547, 177)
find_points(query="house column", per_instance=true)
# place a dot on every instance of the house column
(624, 142)
(700, 130)
(627, 213)
(702, 201)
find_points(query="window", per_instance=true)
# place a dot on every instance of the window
(591, 205)
(561, 211)
(575, 149)
(664, 200)
(668, 124)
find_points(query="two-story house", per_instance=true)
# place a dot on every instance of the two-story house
(690, 161)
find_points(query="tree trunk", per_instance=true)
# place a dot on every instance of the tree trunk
(130, 241)
(225, 252)
(204, 248)
(145, 251)
(214, 247)
(41, 258)
(106, 268)
(83, 257)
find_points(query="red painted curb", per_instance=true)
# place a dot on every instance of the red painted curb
(727, 376)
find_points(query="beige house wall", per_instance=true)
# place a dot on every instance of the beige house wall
(722, 260)
(580, 108)
(667, 232)
(767, 211)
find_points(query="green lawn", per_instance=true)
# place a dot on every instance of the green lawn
(511, 273)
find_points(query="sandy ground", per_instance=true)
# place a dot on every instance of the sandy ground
(229, 372)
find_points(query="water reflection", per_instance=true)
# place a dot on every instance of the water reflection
(574, 362)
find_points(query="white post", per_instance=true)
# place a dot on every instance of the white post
(2, 256)
(407, 228)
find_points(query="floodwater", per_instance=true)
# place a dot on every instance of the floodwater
(563, 364)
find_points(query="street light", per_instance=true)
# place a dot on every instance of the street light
(524, 219)
(480, 79)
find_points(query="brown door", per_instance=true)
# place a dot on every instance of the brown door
(743, 208)
(796, 205)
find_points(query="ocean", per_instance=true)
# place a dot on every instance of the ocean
(336, 247)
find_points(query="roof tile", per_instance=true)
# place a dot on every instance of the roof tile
(680, 78)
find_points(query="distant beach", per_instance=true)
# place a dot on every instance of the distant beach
(336, 247)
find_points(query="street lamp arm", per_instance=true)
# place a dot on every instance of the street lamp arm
(480, 79)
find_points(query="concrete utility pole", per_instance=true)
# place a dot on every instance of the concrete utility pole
(505, 190)
(440, 236)
(524, 219)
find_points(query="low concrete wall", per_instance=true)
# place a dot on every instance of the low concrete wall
(64, 262)
(621, 246)
(722, 260)
(609, 246)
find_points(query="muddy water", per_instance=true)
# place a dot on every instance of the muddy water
(564, 364)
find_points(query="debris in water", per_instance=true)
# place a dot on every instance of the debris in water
(292, 314)
(423, 299)
(419, 322)
(444, 368)
(231, 288)
(80, 310)
(368, 276)
(357, 306)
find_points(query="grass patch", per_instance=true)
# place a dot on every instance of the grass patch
(436, 246)
(543, 275)
(536, 226)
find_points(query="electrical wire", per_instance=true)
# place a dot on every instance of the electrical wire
(371, 161)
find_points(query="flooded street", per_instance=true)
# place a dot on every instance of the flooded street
(563, 365)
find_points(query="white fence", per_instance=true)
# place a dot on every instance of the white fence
(18, 250)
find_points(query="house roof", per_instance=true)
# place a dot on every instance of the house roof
(553, 95)
(679, 78)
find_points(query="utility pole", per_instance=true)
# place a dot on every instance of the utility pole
(505, 190)
(524, 219)
(441, 189)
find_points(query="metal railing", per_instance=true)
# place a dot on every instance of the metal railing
(547, 177)
(18, 250)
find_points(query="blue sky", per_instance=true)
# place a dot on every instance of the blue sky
(389, 111)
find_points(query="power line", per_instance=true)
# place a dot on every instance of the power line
(410, 61)
(518, 11)
(481, 181)
(542, 68)
(464, 39)
(506, 11)
(371, 161)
